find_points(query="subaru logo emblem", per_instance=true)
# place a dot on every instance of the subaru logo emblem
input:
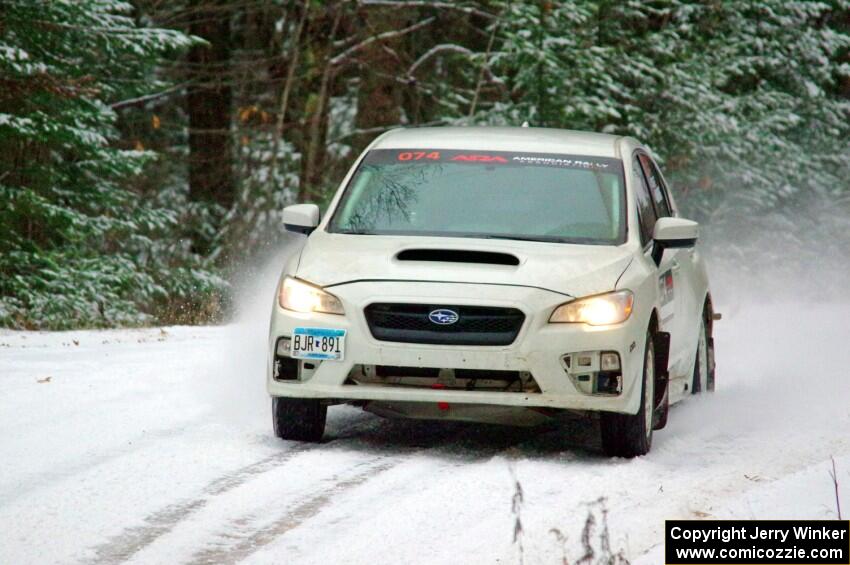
(443, 317)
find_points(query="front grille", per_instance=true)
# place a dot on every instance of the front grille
(481, 380)
(476, 325)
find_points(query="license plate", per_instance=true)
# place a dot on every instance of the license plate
(318, 343)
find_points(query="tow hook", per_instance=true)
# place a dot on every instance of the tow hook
(443, 406)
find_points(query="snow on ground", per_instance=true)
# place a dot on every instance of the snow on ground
(154, 446)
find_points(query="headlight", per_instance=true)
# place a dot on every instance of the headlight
(303, 297)
(599, 310)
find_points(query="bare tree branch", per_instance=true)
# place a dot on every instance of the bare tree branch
(427, 4)
(147, 97)
(834, 476)
(345, 55)
(435, 50)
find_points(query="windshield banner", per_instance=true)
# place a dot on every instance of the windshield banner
(478, 157)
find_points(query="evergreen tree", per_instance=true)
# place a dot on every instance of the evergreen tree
(736, 98)
(76, 247)
(553, 74)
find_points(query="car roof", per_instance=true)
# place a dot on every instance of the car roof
(523, 139)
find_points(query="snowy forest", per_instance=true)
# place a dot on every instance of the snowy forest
(147, 147)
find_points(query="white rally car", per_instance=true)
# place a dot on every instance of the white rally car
(496, 275)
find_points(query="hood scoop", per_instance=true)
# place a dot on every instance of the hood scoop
(458, 256)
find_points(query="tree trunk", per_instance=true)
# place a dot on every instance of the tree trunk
(208, 105)
(294, 52)
(311, 180)
(379, 97)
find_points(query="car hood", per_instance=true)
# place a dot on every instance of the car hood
(329, 259)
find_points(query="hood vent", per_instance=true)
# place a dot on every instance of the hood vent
(458, 256)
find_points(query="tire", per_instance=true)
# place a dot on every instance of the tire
(299, 419)
(704, 362)
(630, 435)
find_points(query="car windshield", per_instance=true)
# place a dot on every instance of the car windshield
(485, 194)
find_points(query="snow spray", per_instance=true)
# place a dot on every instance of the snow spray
(237, 377)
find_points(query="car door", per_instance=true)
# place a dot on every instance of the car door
(674, 273)
(690, 294)
(664, 275)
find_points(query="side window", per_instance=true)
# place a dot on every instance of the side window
(646, 211)
(656, 187)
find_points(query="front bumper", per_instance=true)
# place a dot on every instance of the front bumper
(538, 349)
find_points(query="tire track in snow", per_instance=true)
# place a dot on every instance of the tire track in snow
(132, 540)
(375, 437)
(254, 539)
(250, 540)
(463, 443)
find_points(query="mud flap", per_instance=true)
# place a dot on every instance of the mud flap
(711, 364)
(710, 380)
(661, 344)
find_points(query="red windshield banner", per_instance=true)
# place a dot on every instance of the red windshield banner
(479, 157)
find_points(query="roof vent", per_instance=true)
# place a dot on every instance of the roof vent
(458, 256)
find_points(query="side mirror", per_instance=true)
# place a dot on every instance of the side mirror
(301, 218)
(673, 233)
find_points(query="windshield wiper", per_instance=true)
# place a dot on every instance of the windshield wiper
(355, 232)
(541, 238)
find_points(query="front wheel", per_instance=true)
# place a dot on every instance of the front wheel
(299, 419)
(630, 435)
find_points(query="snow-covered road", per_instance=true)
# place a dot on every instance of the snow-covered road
(154, 446)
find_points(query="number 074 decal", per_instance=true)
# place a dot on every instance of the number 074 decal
(418, 155)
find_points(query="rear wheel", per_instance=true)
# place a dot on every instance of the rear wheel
(630, 435)
(299, 419)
